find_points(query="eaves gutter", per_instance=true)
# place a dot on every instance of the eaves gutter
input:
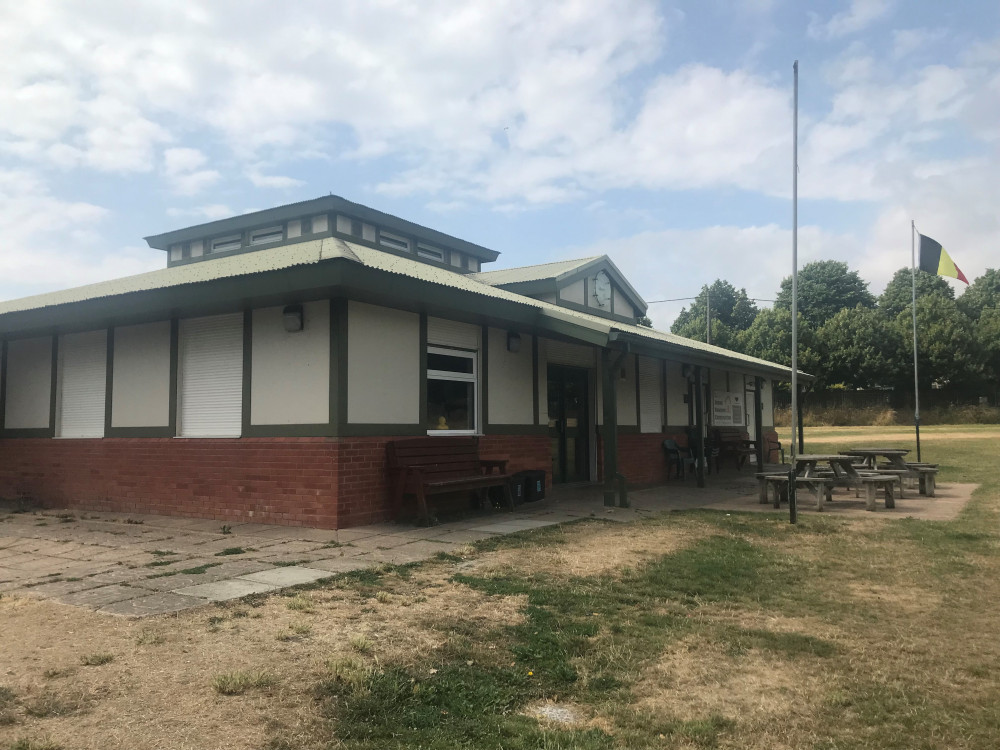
(652, 347)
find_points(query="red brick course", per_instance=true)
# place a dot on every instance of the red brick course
(321, 482)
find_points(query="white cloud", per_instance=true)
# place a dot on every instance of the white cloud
(52, 243)
(275, 181)
(182, 169)
(859, 16)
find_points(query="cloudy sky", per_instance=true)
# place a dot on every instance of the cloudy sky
(656, 132)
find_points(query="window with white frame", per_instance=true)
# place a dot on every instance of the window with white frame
(430, 252)
(394, 242)
(225, 244)
(452, 385)
(267, 235)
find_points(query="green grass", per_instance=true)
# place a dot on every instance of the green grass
(96, 660)
(233, 551)
(238, 683)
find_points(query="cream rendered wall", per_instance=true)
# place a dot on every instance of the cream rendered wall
(767, 403)
(625, 391)
(383, 365)
(140, 393)
(622, 307)
(677, 388)
(290, 372)
(28, 383)
(573, 293)
(509, 381)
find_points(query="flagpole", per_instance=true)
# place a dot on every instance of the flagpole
(916, 380)
(795, 291)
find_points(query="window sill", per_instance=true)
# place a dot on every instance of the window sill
(453, 432)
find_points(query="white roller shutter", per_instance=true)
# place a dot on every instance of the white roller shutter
(650, 399)
(210, 387)
(83, 366)
(560, 353)
(441, 332)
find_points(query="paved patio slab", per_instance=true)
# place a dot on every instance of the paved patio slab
(221, 591)
(153, 604)
(289, 576)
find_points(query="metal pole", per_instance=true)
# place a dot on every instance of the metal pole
(916, 381)
(795, 291)
(708, 315)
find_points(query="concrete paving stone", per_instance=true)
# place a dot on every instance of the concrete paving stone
(299, 534)
(352, 535)
(37, 566)
(117, 574)
(293, 547)
(290, 576)
(345, 550)
(98, 597)
(463, 537)
(253, 528)
(60, 588)
(385, 541)
(428, 532)
(392, 556)
(169, 583)
(153, 604)
(508, 527)
(228, 588)
(341, 564)
(239, 568)
(427, 548)
(296, 558)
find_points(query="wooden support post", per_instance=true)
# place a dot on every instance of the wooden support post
(699, 420)
(611, 363)
(758, 422)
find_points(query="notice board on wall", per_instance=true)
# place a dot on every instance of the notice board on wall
(728, 409)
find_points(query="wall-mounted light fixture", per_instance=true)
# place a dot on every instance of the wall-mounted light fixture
(686, 371)
(513, 342)
(292, 318)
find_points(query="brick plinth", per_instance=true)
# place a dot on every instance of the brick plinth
(640, 457)
(320, 482)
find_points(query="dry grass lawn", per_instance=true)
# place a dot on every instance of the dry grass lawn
(694, 630)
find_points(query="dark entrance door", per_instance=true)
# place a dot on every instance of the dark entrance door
(569, 424)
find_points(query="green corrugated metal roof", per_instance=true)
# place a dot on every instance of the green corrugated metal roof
(532, 273)
(329, 249)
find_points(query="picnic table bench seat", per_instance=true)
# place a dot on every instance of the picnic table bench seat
(438, 465)
(778, 484)
(887, 482)
(732, 441)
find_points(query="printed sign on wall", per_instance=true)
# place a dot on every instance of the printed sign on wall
(727, 409)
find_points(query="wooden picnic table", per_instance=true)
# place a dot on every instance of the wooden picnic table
(845, 474)
(893, 456)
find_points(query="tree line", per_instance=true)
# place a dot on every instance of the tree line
(848, 338)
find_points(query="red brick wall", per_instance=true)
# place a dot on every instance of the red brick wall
(321, 482)
(640, 457)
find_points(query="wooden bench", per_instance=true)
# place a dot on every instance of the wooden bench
(769, 470)
(779, 484)
(440, 465)
(732, 441)
(873, 482)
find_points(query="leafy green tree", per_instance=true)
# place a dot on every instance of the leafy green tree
(645, 321)
(731, 311)
(825, 287)
(948, 348)
(988, 337)
(770, 338)
(860, 348)
(898, 294)
(982, 295)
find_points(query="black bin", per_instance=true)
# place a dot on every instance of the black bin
(534, 485)
(518, 490)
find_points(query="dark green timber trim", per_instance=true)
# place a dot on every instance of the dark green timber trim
(53, 386)
(3, 384)
(758, 421)
(175, 364)
(28, 432)
(517, 429)
(288, 430)
(699, 420)
(381, 430)
(638, 395)
(109, 380)
(611, 362)
(534, 381)
(247, 370)
(484, 378)
(139, 432)
(422, 416)
(339, 385)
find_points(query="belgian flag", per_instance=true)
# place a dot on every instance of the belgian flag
(934, 259)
